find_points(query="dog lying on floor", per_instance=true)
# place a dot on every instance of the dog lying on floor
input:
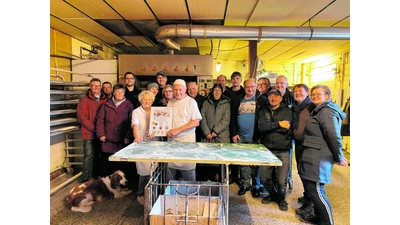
(82, 197)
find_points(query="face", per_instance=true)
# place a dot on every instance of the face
(281, 84)
(221, 80)
(129, 80)
(168, 93)
(107, 88)
(300, 94)
(179, 91)
(262, 86)
(217, 92)
(236, 81)
(154, 90)
(161, 80)
(192, 89)
(274, 100)
(95, 87)
(250, 88)
(146, 101)
(119, 94)
(319, 95)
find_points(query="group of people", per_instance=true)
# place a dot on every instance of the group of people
(253, 113)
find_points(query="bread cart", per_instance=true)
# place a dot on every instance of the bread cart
(177, 200)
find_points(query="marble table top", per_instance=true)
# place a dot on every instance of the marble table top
(197, 152)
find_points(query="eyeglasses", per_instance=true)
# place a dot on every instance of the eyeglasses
(129, 78)
(263, 84)
(95, 85)
(168, 91)
(247, 87)
(319, 94)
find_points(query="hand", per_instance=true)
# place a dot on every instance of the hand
(284, 124)
(235, 138)
(343, 162)
(126, 141)
(103, 138)
(171, 133)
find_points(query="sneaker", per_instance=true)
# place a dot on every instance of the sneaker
(310, 219)
(283, 205)
(140, 199)
(263, 190)
(306, 209)
(268, 200)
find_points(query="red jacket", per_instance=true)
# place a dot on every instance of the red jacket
(86, 112)
(114, 123)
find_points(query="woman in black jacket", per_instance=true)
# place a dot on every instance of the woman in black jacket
(322, 147)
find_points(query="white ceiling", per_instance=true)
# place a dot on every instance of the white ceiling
(129, 26)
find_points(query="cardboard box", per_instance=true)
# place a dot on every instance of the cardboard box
(171, 210)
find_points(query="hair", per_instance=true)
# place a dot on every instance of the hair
(107, 82)
(129, 72)
(326, 88)
(265, 78)
(216, 86)
(221, 75)
(236, 74)
(118, 86)
(146, 92)
(166, 86)
(95, 80)
(194, 82)
(301, 86)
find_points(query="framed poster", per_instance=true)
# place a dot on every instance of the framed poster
(160, 120)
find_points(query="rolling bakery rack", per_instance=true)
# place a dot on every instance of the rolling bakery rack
(184, 202)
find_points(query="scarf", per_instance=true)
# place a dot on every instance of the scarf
(296, 109)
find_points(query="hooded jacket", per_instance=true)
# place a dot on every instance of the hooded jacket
(322, 143)
(216, 119)
(86, 114)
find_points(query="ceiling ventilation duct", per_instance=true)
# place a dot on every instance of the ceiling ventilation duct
(165, 34)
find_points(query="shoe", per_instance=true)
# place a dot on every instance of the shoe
(262, 190)
(306, 209)
(255, 193)
(140, 199)
(301, 200)
(310, 219)
(243, 190)
(268, 200)
(283, 205)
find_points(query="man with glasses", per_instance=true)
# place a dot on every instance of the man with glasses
(131, 91)
(86, 114)
(243, 130)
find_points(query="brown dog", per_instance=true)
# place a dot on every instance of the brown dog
(82, 197)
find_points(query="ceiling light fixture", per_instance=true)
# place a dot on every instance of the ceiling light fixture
(218, 67)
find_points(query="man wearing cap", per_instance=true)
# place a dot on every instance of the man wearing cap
(186, 117)
(274, 126)
(153, 87)
(161, 80)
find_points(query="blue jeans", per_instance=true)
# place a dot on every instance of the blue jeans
(249, 172)
(91, 149)
(322, 205)
(277, 191)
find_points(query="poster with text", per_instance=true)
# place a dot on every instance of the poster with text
(160, 120)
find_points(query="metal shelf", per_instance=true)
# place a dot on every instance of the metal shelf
(62, 111)
(63, 130)
(70, 92)
(62, 102)
(64, 83)
(62, 121)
